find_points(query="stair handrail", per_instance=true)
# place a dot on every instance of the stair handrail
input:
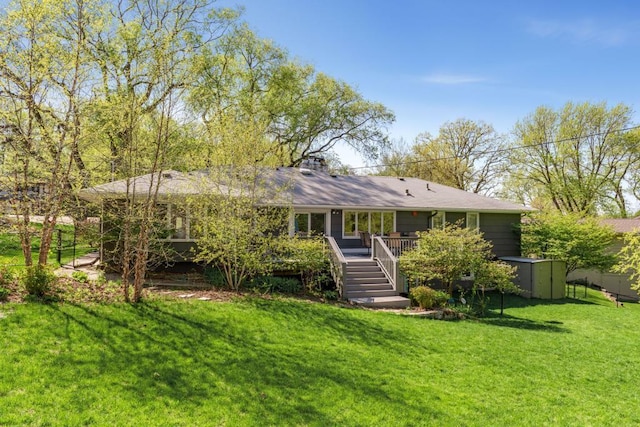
(385, 258)
(338, 264)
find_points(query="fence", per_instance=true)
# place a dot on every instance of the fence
(66, 246)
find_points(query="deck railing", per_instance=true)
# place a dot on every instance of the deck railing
(397, 245)
(386, 250)
(338, 263)
(389, 263)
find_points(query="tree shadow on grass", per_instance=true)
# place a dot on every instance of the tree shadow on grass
(508, 321)
(192, 354)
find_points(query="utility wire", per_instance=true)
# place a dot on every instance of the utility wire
(499, 150)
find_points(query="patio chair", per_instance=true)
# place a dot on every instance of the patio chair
(365, 240)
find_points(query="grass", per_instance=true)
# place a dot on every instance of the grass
(258, 361)
(11, 250)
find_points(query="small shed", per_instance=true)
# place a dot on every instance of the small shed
(539, 278)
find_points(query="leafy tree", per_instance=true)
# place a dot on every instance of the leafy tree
(234, 232)
(43, 77)
(305, 112)
(465, 154)
(629, 259)
(446, 254)
(144, 55)
(577, 159)
(578, 240)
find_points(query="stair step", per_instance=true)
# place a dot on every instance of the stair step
(363, 269)
(368, 286)
(364, 272)
(371, 293)
(363, 264)
(365, 280)
(382, 302)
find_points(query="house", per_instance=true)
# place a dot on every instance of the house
(343, 208)
(617, 284)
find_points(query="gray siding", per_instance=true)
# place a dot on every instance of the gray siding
(406, 222)
(500, 230)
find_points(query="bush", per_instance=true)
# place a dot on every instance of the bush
(271, 284)
(38, 280)
(441, 298)
(4, 293)
(6, 277)
(214, 277)
(6, 281)
(80, 276)
(427, 297)
(306, 257)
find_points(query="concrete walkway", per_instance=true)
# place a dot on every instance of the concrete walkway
(87, 263)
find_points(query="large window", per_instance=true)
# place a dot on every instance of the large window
(380, 223)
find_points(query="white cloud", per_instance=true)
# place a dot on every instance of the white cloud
(452, 79)
(583, 31)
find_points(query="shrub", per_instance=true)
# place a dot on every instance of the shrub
(4, 293)
(38, 280)
(306, 257)
(330, 295)
(80, 276)
(440, 299)
(214, 277)
(427, 297)
(271, 284)
(6, 281)
(6, 277)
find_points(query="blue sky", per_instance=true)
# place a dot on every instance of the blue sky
(437, 61)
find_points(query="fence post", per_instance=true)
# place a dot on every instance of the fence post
(59, 257)
(74, 245)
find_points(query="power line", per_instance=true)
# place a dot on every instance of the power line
(499, 150)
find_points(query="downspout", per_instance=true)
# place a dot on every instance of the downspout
(433, 213)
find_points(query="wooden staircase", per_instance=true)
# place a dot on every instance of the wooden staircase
(367, 285)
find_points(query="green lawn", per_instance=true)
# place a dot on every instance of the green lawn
(262, 362)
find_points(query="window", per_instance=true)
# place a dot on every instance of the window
(438, 220)
(350, 228)
(373, 222)
(310, 223)
(302, 223)
(178, 222)
(473, 220)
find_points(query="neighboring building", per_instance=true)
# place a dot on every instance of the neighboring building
(614, 283)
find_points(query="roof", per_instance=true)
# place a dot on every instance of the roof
(318, 189)
(622, 225)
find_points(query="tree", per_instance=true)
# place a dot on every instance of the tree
(578, 159)
(447, 254)
(144, 57)
(306, 113)
(466, 154)
(578, 240)
(241, 215)
(43, 75)
(629, 259)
